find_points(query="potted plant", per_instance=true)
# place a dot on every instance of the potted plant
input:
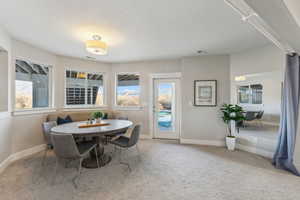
(97, 116)
(231, 115)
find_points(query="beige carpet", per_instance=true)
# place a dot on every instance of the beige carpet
(167, 171)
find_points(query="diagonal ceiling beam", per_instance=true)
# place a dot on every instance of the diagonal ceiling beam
(21, 68)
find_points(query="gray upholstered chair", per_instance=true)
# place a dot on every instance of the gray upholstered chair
(47, 126)
(259, 117)
(250, 116)
(123, 142)
(66, 148)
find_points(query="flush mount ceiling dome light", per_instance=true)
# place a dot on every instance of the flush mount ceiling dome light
(96, 46)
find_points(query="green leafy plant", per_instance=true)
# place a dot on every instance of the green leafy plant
(232, 113)
(97, 115)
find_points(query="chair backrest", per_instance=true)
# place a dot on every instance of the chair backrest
(260, 115)
(64, 146)
(135, 135)
(47, 126)
(250, 116)
(122, 118)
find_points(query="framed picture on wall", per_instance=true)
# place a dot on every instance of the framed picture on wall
(205, 93)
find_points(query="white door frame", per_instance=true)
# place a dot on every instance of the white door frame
(176, 75)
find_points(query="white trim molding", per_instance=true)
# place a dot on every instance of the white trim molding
(255, 150)
(4, 115)
(152, 77)
(34, 111)
(270, 123)
(166, 75)
(104, 85)
(145, 136)
(218, 143)
(128, 108)
(85, 108)
(297, 165)
(4, 164)
(115, 95)
(20, 155)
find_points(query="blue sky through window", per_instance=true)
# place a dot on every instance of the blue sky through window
(132, 90)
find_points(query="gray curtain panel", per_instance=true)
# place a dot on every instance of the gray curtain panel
(283, 157)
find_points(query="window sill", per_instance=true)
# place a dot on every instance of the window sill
(4, 114)
(128, 108)
(84, 108)
(33, 111)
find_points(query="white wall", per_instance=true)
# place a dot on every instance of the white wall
(204, 123)
(3, 80)
(5, 120)
(261, 65)
(26, 130)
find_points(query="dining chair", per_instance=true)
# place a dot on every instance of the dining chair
(124, 142)
(250, 116)
(66, 148)
(47, 126)
(259, 117)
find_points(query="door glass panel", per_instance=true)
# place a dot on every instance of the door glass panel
(165, 106)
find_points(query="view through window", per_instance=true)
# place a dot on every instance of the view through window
(31, 85)
(128, 89)
(83, 88)
(250, 94)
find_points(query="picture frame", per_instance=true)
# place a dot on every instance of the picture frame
(205, 93)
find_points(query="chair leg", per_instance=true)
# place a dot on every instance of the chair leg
(44, 157)
(78, 173)
(67, 162)
(115, 149)
(138, 151)
(96, 153)
(123, 163)
(55, 171)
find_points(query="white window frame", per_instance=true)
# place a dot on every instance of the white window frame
(247, 84)
(51, 94)
(119, 107)
(85, 106)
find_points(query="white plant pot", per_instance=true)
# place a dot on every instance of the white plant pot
(230, 143)
(98, 121)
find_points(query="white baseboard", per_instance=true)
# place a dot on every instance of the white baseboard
(255, 150)
(144, 136)
(297, 165)
(270, 123)
(218, 143)
(19, 155)
(4, 115)
(5, 164)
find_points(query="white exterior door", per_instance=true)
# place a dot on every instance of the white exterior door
(166, 102)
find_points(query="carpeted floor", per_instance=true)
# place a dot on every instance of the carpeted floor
(166, 171)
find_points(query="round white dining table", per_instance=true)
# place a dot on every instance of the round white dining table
(100, 134)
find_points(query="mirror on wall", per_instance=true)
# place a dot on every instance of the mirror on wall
(260, 96)
(3, 80)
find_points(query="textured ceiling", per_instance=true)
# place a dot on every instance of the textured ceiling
(133, 29)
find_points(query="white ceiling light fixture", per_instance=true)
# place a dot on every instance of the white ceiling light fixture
(96, 46)
(240, 78)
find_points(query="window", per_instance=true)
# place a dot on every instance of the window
(32, 85)
(128, 89)
(250, 94)
(84, 89)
